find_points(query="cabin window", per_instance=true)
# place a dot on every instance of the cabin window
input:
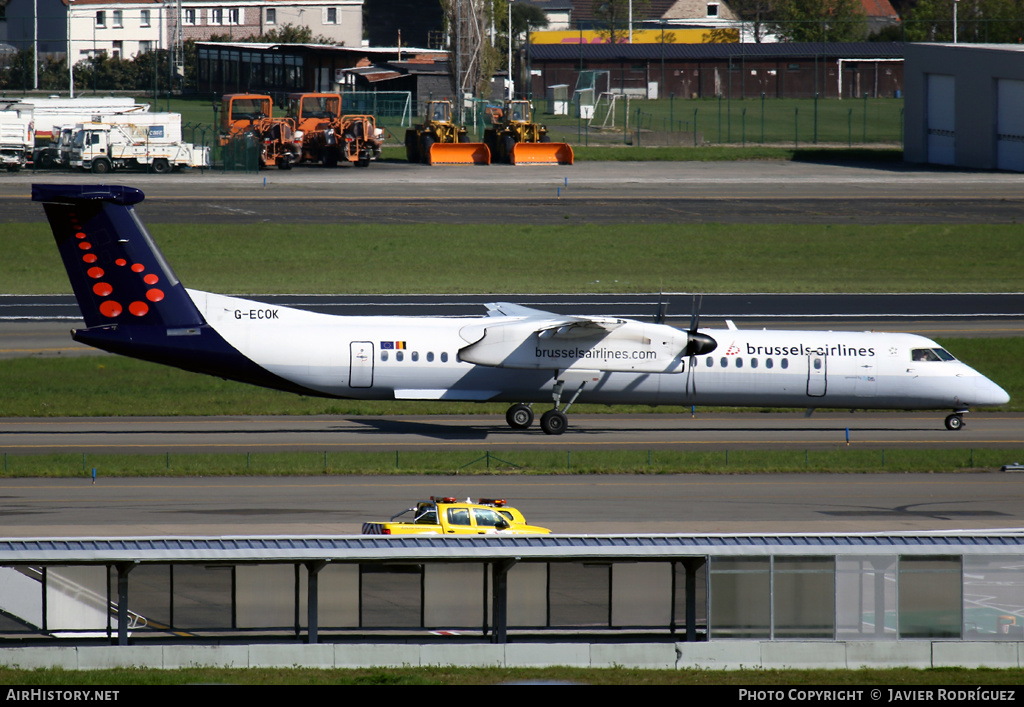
(784, 363)
(383, 355)
(458, 516)
(817, 364)
(724, 362)
(486, 517)
(399, 355)
(444, 357)
(415, 355)
(430, 356)
(710, 362)
(931, 355)
(753, 363)
(768, 363)
(739, 363)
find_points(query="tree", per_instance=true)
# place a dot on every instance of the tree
(977, 21)
(473, 59)
(612, 18)
(527, 17)
(819, 20)
(756, 14)
(291, 34)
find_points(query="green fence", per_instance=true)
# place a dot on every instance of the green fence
(726, 121)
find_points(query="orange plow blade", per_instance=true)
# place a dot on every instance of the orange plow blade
(459, 153)
(541, 153)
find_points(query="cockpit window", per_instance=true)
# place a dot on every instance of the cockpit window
(931, 355)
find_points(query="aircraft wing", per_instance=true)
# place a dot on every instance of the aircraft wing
(555, 326)
(513, 336)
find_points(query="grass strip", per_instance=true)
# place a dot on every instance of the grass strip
(574, 256)
(837, 460)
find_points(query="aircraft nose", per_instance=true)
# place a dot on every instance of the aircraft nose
(988, 393)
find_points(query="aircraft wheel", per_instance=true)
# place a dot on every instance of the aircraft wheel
(553, 422)
(954, 422)
(519, 416)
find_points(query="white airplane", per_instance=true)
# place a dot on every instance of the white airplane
(134, 305)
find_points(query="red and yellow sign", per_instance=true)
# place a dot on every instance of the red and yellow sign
(640, 36)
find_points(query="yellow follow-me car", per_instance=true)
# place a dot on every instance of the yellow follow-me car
(448, 516)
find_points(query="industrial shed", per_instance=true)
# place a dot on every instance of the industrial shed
(778, 70)
(965, 105)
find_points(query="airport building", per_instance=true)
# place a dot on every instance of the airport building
(968, 107)
(874, 599)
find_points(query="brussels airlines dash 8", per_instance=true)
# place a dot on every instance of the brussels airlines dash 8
(134, 305)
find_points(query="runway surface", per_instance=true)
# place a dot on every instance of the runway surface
(476, 434)
(597, 192)
(567, 504)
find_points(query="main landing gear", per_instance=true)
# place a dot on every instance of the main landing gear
(956, 420)
(552, 422)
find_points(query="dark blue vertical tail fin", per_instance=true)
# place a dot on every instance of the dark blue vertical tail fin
(118, 274)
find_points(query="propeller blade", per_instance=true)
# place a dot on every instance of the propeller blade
(662, 311)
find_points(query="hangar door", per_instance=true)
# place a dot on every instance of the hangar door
(941, 119)
(1010, 125)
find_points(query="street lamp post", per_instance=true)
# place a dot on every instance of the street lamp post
(955, 4)
(510, 89)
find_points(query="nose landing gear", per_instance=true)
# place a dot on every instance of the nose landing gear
(955, 421)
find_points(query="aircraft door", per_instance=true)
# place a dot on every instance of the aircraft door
(360, 364)
(817, 367)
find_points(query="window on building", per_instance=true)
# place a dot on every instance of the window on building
(271, 16)
(330, 15)
(712, 9)
(118, 49)
(234, 16)
(144, 18)
(145, 47)
(216, 17)
(117, 17)
(101, 18)
(189, 17)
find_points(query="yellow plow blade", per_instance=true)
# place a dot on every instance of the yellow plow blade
(541, 153)
(459, 153)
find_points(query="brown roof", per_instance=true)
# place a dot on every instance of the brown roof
(878, 8)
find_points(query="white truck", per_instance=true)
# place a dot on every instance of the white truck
(51, 115)
(148, 140)
(16, 139)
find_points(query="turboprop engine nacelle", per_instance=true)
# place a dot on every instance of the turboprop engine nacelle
(605, 345)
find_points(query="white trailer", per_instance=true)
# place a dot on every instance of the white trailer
(50, 115)
(16, 139)
(153, 142)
